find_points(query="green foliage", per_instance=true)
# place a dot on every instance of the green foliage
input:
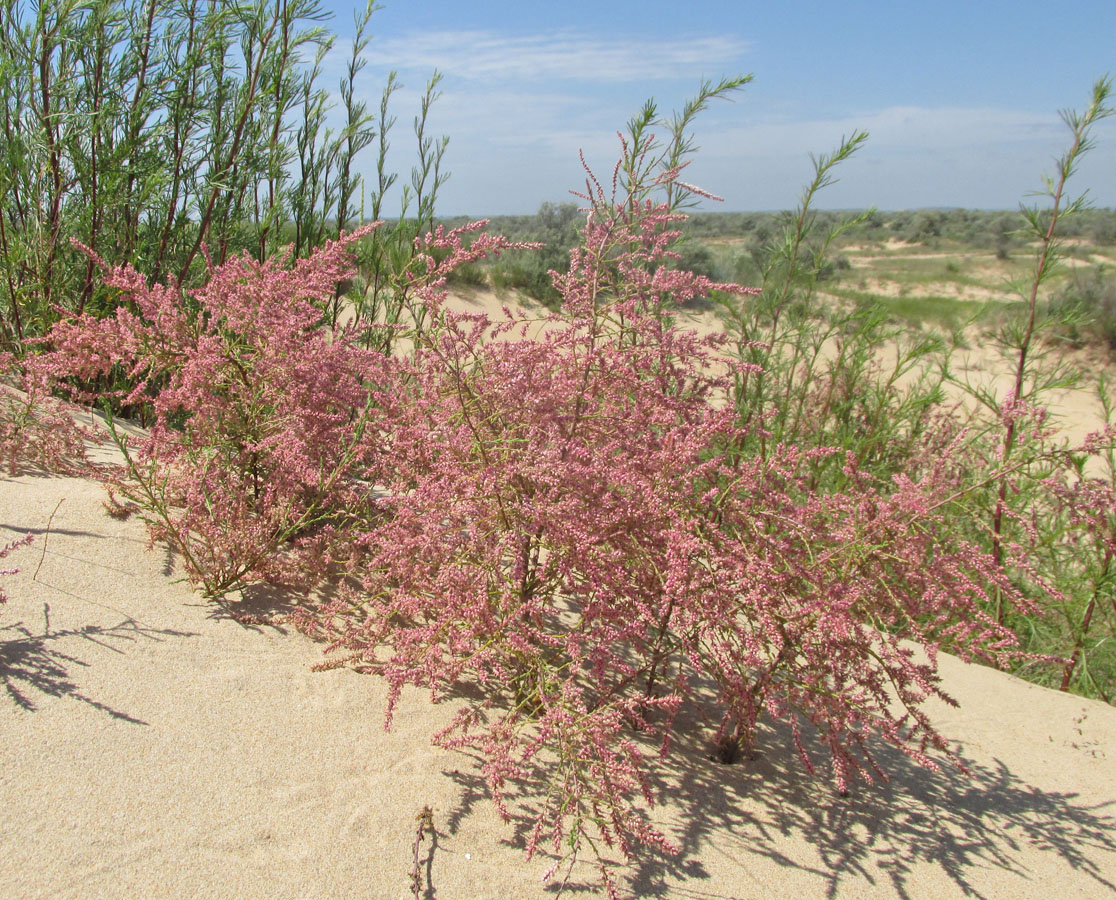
(817, 377)
(149, 129)
(1067, 559)
(858, 378)
(1086, 306)
(556, 226)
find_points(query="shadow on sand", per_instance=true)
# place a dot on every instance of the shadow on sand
(959, 824)
(33, 661)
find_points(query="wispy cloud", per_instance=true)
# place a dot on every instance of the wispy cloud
(567, 55)
(895, 128)
(915, 156)
(518, 109)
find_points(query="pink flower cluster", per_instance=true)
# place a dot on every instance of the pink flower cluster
(5, 551)
(36, 431)
(264, 422)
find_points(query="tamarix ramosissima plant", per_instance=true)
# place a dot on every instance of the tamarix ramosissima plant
(270, 433)
(571, 529)
(36, 431)
(266, 425)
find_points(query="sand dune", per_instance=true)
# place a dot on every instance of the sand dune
(152, 747)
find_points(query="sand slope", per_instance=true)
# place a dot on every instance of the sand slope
(151, 747)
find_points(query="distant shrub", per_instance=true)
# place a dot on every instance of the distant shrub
(1087, 304)
(829, 265)
(470, 275)
(696, 257)
(926, 227)
(528, 273)
(555, 227)
(1102, 227)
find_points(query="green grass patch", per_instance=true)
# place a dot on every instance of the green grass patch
(948, 313)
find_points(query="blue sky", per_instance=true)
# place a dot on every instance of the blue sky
(960, 98)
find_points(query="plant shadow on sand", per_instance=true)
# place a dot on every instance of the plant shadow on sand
(960, 824)
(955, 822)
(256, 606)
(38, 660)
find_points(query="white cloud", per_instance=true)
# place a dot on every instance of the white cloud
(518, 109)
(897, 128)
(565, 55)
(915, 156)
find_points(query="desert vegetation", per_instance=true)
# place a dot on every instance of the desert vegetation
(582, 522)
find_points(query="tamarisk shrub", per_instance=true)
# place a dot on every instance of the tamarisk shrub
(265, 429)
(570, 527)
(269, 431)
(35, 430)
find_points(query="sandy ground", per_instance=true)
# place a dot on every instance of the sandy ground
(152, 747)
(882, 287)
